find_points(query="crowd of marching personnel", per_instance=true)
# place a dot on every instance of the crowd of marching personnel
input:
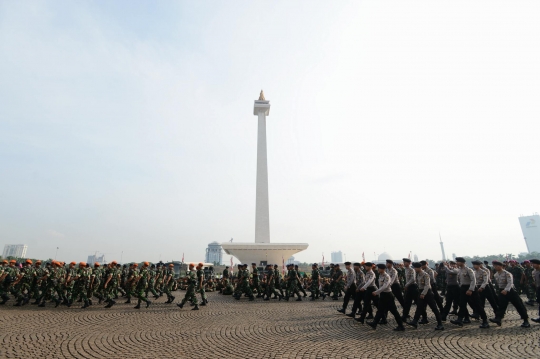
(451, 288)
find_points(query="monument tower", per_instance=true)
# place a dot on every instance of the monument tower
(262, 251)
(261, 109)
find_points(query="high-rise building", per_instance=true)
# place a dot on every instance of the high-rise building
(214, 253)
(94, 258)
(530, 226)
(416, 257)
(15, 250)
(337, 257)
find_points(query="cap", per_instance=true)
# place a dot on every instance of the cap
(13, 261)
(96, 264)
(28, 261)
(4, 261)
(38, 262)
(201, 264)
(381, 266)
(407, 260)
(114, 263)
(497, 263)
(146, 264)
(172, 264)
(460, 260)
(417, 265)
(135, 265)
(190, 264)
(82, 264)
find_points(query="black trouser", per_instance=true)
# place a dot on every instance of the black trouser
(357, 305)
(396, 290)
(387, 304)
(436, 296)
(473, 300)
(516, 301)
(351, 291)
(411, 293)
(486, 293)
(451, 299)
(421, 305)
(368, 297)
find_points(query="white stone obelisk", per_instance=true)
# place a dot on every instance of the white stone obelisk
(261, 109)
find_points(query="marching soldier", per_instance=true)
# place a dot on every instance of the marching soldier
(190, 291)
(425, 298)
(386, 300)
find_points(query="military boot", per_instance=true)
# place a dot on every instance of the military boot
(196, 307)
(86, 304)
(148, 303)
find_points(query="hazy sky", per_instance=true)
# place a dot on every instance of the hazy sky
(128, 126)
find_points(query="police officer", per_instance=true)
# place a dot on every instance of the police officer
(350, 286)
(507, 293)
(386, 300)
(425, 298)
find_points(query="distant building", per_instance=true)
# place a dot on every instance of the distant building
(383, 257)
(95, 259)
(530, 227)
(15, 250)
(337, 257)
(453, 256)
(416, 257)
(214, 253)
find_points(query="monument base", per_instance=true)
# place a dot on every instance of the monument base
(263, 253)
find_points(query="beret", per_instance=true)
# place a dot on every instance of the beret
(460, 259)
(368, 264)
(253, 264)
(381, 266)
(417, 265)
(477, 262)
(535, 261)
(357, 264)
(347, 263)
(423, 263)
(497, 263)
(486, 262)
(336, 265)
(390, 261)
(407, 260)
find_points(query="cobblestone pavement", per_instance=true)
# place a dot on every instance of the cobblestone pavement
(227, 328)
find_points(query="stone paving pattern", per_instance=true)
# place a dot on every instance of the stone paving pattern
(227, 328)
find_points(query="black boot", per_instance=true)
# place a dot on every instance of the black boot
(496, 321)
(412, 323)
(399, 328)
(138, 306)
(439, 327)
(341, 310)
(372, 325)
(458, 322)
(57, 301)
(180, 305)
(86, 304)
(484, 325)
(148, 303)
(526, 324)
(196, 307)
(19, 303)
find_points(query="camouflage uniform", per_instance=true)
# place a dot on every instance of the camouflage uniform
(140, 286)
(200, 287)
(168, 281)
(22, 290)
(190, 291)
(530, 286)
(82, 283)
(315, 276)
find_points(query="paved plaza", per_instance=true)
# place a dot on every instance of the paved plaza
(231, 329)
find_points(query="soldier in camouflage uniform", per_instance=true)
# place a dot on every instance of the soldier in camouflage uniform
(52, 280)
(200, 284)
(69, 283)
(271, 284)
(5, 271)
(21, 285)
(168, 281)
(529, 285)
(300, 283)
(243, 284)
(81, 283)
(255, 280)
(292, 280)
(277, 279)
(190, 291)
(112, 279)
(141, 281)
(337, 283)
(517, 274)
(36, 282)
(152, 276)
(95, 283)
(315, 282)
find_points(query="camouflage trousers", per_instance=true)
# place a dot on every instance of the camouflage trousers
(530, 290)
(314, 289)
(292, 288)
(271, 289)
(190, 295)
(151, 288)
(202, 292)
(80, 290)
